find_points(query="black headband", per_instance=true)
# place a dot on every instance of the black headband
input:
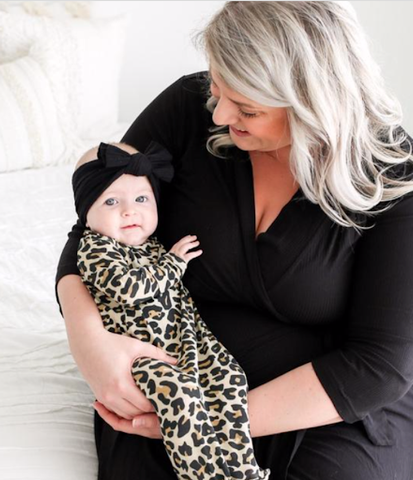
(90, 180)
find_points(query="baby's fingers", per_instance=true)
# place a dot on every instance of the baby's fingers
(185, 240)
(191, 255)
(189, 246)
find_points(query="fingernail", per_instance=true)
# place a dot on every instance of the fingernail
(138, 422)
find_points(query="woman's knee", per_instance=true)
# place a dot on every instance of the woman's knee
(341, 452)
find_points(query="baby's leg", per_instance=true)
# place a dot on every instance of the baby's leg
(187, 432)
(225, 391)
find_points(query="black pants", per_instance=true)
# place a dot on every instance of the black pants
(339, 452)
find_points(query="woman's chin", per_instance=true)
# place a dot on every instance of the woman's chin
(243, 143)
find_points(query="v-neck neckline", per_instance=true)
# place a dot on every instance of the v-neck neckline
(244, 187)
(245, 181)
(293, 221)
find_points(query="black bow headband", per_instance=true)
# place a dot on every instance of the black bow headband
(91, 179)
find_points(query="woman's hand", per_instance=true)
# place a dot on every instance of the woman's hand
(146, 425)
(108, 372)
(104, 359)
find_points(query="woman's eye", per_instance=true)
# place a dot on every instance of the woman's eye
(141, 199)
(213, 88)
(111, 201)
(246, 114)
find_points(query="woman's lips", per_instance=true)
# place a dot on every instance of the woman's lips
(239, 133)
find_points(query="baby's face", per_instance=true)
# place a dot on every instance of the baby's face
(126, 211)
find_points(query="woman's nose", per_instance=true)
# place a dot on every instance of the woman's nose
(225, 112)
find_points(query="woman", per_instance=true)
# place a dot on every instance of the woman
(302, 200)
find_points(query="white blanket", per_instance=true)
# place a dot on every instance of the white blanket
(46, 417)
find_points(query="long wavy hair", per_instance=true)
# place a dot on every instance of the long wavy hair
(313, 58)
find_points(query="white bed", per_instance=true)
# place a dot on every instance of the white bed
(46, 417)
(46, 414)
(46, 429)
(51, 108)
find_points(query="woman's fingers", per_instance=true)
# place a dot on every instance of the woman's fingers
(137, 401)
(125, 399)
(146, 425)
(123, 408)
(115, 421)
(108, 371)
(149, 350)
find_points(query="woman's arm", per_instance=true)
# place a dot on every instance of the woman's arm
(293, 401)
(373, 367)
(104, 358)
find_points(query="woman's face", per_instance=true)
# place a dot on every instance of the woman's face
(252, 127)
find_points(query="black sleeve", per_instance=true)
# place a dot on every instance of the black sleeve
(68, 259)
(163, 121)
(374, 367)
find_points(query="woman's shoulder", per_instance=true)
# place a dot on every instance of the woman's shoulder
(175, 115)
(193, 92)
(194, 85)
(197, 83)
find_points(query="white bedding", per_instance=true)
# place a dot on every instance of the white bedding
(46, 417)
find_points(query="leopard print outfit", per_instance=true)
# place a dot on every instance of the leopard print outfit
(202, 401)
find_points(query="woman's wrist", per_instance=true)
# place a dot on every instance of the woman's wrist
(293, 401)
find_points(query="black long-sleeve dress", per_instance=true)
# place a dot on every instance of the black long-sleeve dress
(304, 290)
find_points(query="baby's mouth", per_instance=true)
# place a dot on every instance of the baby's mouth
(134, 225)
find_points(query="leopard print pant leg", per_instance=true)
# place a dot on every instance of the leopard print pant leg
(225, 389)
(188, 434)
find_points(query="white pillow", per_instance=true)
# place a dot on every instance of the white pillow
(37, 126)
(80, 59)
(91, 49)
(31, 133)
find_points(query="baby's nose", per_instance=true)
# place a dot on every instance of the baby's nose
(129, 210)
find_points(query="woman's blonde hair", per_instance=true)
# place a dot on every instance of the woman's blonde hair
(312, 57)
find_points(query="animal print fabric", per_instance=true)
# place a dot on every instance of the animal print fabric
(202, 401)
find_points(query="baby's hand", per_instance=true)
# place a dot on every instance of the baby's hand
(181, 248)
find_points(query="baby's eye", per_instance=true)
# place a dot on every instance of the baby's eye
(141, 199)
(111, 201)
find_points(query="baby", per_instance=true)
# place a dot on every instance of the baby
(201, 402)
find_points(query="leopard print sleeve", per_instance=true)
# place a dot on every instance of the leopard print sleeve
(105, 267)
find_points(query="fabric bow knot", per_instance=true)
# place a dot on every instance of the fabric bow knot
(155, 161)
(92, 178)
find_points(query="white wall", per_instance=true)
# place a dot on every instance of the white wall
(159, 47)
(388, 24)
